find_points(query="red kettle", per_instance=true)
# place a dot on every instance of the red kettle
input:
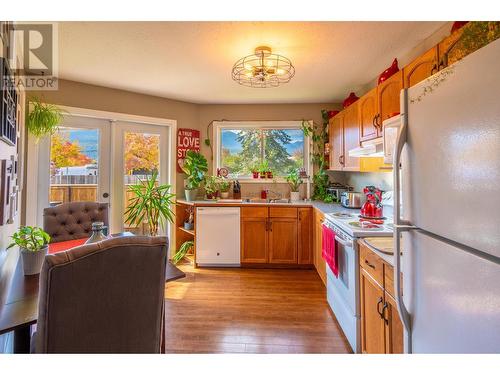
(372, 208)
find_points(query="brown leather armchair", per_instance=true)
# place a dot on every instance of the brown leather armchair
(71, 221)
(105, 297)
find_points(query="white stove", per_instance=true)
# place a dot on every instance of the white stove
(343, 291)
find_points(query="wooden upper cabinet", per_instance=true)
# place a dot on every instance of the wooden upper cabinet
(351, 137)
(367, 109)
(388, 97)
(372, 326)
(305, 236)
(254, 237)
(283, 240)
(421, 68)
(336, 131)
(449, 49)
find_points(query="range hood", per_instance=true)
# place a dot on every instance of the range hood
(371, 148)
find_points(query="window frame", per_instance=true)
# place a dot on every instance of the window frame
(218, 126)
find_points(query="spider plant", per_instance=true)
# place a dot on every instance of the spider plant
(151, 204)
(183, 250)
(43, 118)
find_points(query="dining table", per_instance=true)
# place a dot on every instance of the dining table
(20, 310)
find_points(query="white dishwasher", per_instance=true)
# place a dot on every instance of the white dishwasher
(218, 236)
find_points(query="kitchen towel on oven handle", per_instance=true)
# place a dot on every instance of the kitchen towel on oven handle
(329, 249)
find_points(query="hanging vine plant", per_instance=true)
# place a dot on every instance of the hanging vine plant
(319, 136)
(43, 118)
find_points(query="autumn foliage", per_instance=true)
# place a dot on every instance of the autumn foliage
(141, 152)
(64, 153)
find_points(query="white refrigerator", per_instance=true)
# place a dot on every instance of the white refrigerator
(447, 208)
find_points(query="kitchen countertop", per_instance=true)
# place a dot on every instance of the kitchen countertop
(322, 206)
(377, 244)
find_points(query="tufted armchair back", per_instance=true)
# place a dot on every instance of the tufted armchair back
(71, 221)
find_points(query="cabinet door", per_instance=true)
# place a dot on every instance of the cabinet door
(449, 49)
(283, 241)
(421, 68)
(351, 137)
(367, 108)
(319, 262)
(337, 142)
(254, 240)
(372, 325)
(305, 254)
(393, 327)
(388, 97)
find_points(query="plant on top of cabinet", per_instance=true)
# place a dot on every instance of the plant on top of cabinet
(151, 204)
(195, 167)
(294, 181)
(43, 118)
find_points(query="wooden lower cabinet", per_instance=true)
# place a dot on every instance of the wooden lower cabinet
(381, 327)
(372, 325)
(305, 236)
(319, 262)
(276, 235)
(394, 330)
(253, 232)
(283, 241)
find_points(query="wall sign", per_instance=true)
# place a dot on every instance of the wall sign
(187, 139)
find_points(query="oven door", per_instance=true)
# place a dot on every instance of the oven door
(344, 286)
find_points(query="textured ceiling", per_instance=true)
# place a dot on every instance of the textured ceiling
(192, 61)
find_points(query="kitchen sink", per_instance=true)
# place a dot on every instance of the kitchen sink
(270, 201)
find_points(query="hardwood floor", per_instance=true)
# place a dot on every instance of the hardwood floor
(250, 311)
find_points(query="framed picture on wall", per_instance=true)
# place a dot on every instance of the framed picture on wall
(6, 28)
(8, 104)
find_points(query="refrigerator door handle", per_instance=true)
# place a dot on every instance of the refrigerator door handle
(400, 225)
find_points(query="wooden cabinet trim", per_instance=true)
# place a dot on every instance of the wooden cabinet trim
(282, 212)
(371, 263)
(254, 212)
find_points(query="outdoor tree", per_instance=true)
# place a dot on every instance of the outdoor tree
(141, 152)
(66, 153)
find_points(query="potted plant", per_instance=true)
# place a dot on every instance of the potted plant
(263, 169)
(43, 118)
(255, 170)
(151, 204)
(34, 245)
(189, 222)
(224, 187)
(195, 167)
(183, 251)
(212, 184)
(294, 180)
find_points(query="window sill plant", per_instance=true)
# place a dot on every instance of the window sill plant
(212, 184)
(195, 167)
(34, 245)
(224, 186)
(294, 181)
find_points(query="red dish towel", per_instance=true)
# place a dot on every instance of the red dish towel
(329, 249)
(65, 245)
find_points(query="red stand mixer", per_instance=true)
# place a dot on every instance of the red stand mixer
(372, 209)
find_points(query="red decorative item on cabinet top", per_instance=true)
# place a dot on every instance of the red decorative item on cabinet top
(458, 25)
(389, 71)
(349, 100)
(332, 113)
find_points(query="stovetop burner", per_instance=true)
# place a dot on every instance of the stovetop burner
(343, 215)
(365, 225)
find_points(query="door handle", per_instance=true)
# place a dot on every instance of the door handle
(380, 300)
(384, 308)
(434, 68)
(105, 195)
(369, 264)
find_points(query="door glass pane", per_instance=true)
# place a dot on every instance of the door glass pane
(141, 159)
(283, 150)
(74, 158)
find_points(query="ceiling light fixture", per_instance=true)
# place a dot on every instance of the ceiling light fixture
(263, 69)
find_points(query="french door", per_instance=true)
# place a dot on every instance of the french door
(95, 159)
(140, 150)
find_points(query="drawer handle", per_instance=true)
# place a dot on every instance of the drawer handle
(369, 264)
